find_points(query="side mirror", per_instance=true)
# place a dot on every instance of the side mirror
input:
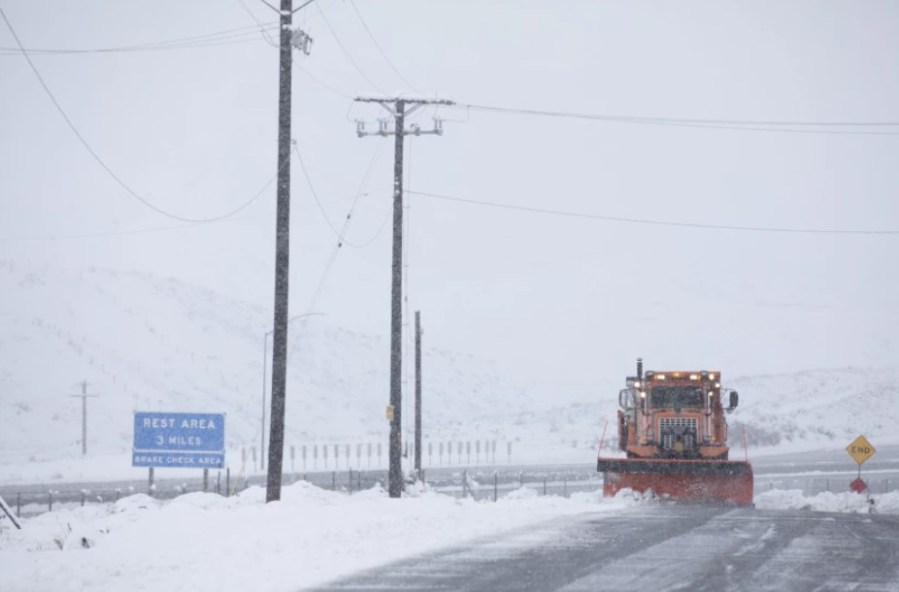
(734, 399)
(626, 398)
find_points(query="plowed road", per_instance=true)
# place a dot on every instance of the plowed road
(665, 547)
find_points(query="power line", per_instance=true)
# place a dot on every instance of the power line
(323, 84)
(380, 50)
(318, 202)
(154, 229)
(260, 23)
(340, 234)
(379, 231)
(346, 53)
(803, 127)
(683, 119)
(646, 221)
(225, 37)
(103, 164)
(330, 265)
(5, 51)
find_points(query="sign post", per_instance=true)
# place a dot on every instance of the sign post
(186, 440)
(860, 450)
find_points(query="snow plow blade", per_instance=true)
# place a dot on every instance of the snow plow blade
(688, 480)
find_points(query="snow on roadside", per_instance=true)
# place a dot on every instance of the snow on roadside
(794, 499)
(202, 541)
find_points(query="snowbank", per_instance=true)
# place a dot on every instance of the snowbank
(794, 499)
(202, 541)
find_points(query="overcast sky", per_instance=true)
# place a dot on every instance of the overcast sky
(569, 301)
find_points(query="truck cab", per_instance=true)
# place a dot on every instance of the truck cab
(674, 414)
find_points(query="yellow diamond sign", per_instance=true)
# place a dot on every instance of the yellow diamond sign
(861, 450)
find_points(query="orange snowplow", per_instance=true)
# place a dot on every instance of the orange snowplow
(672, 428)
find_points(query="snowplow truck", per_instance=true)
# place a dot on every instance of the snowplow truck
(672, 429)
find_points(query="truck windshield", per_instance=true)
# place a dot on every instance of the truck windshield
(685, 396)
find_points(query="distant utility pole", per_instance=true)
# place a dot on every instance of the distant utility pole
(289, 39)
(418, 392)
(84, 397)
(399, 109)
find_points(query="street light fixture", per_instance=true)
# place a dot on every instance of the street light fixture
(264, 369)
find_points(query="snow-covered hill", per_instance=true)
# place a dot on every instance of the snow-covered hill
(818, 407)
(149, 343)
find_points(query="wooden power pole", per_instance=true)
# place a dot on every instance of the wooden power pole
(399, 108)
(289, 38)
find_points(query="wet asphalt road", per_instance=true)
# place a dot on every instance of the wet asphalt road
(668, 547)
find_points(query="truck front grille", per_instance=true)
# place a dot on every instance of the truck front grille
(677, 430)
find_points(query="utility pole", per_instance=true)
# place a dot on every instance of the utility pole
(418, 392)
(399, 108)
(289, 39)
(84, 397)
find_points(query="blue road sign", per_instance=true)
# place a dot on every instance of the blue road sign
(179, 440)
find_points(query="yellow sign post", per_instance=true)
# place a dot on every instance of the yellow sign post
(861, 450)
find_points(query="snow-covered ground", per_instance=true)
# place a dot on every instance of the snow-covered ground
(207, 542)
(792, 499)
(204, 542)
